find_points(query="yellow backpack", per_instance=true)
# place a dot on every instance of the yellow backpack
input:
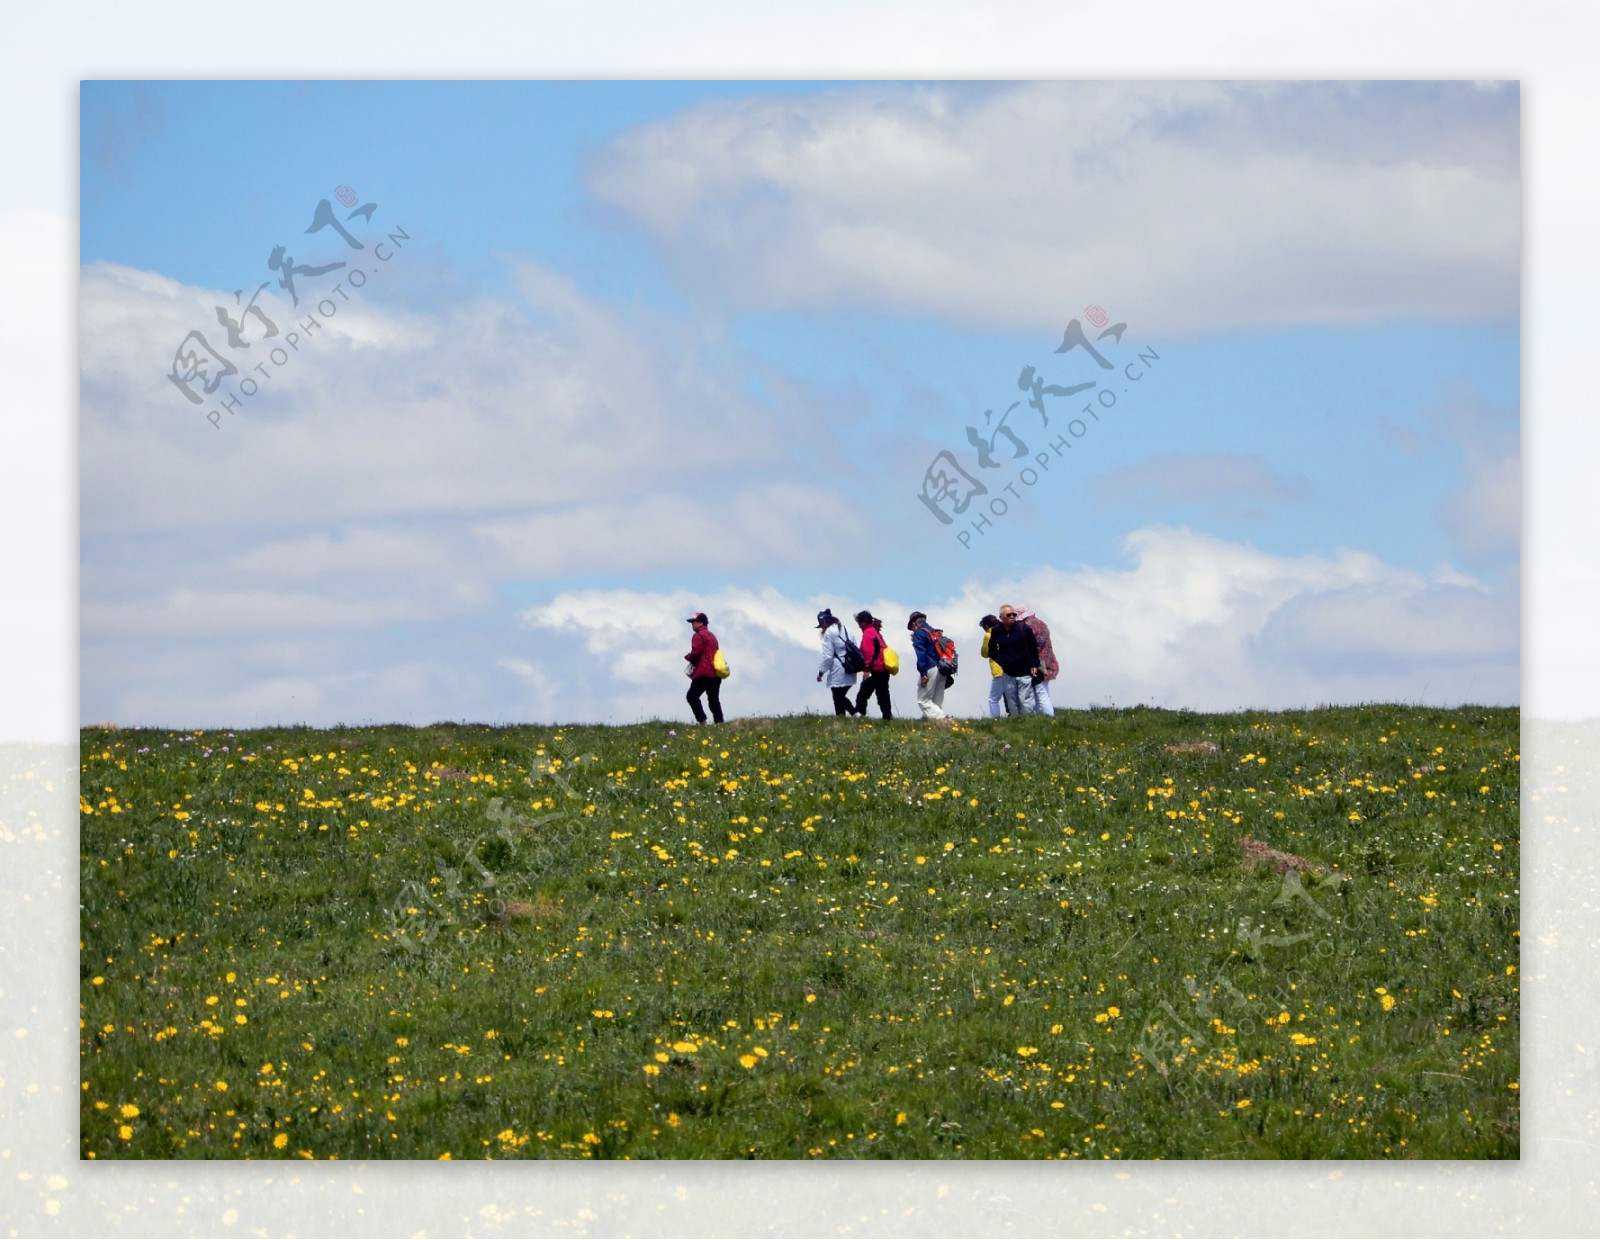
(720, 665)
(891, 661)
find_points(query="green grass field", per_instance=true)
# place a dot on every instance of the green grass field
(807, 938)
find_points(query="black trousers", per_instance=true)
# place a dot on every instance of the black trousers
(875, 682)
(841, 701)
(711, 687)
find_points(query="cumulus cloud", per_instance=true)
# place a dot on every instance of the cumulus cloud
(273, 610)
(324, 697)
(1189, 621)
(1185, 207)
(337, 550)
(484, 406)
(1194, 622)
(753, 526)
(638, 634)
(396, 471)
(1391, 628)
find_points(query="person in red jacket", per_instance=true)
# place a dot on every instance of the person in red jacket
(877, 677)
(702, 666)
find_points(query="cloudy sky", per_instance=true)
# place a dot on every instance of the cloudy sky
(611, 352)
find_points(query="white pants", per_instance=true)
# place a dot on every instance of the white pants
(997, 695)
(930, 696)
(1037, 700)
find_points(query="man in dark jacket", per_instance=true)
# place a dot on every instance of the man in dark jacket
(1014, 647)
(702, 665)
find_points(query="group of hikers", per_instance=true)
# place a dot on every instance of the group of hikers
(1016, 643)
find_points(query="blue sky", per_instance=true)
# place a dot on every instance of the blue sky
(651, 346)
(479, 167)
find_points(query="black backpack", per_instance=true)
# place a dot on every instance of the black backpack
(852, 660)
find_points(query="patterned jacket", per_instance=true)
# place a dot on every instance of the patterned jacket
(1041, 635)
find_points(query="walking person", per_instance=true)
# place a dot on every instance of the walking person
(702, 660)
(840, 679)
(876, 680)
(930, 679)
(997, 696)
(1048, 664)
(1015, 649)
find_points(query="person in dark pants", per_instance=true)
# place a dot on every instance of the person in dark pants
(702, 666)
(839, 680)
(876, 680)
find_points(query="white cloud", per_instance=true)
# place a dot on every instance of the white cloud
(260, 612)
(543, 689)
(356, 552)
(1196, 622)
(1416, 624)
(1014, 205)
(486, 407)
(640, 634)
(406, 465)
(747, 528)
(319, 698)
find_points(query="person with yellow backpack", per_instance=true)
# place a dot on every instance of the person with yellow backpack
(876, 654)
(997, 690)
(706, 677)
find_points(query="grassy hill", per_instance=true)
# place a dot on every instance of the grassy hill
(1123, 934)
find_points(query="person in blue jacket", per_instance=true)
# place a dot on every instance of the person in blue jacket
(930, 680)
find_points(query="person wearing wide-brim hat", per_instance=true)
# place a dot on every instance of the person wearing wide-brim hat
(703, 668)
(840, 682)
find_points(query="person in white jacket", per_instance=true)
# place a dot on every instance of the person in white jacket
(839, 680)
